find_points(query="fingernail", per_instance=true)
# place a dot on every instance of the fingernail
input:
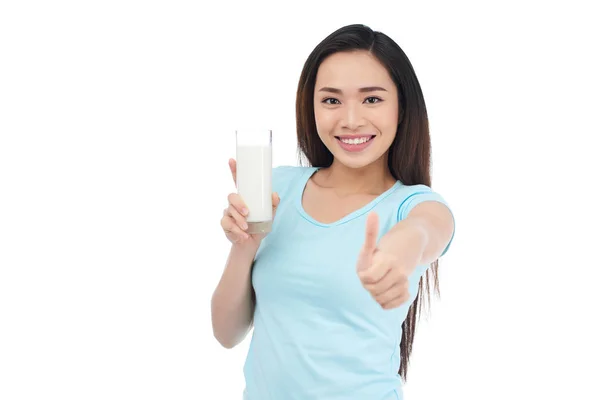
(244, 211)
(244, 226)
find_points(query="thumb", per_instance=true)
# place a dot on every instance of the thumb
(372, 231)
(233, 169)
(275, 199)
(366, 254)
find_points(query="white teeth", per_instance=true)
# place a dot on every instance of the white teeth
(356, 141)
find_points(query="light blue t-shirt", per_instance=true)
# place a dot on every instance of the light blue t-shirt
(318, 334)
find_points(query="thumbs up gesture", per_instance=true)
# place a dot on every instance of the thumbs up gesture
(382, 273)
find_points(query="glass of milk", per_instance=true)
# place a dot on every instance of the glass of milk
(254, 167)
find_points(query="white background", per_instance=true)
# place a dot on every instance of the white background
(116, 123)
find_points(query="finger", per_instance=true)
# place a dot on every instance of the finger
(396, 302)
(233, 168)
(376, 272)
(239, 219)
(365, 257)
(372, 230)
(236, 201)
(386, 283)
(232, 230)
(396, 290)
(275, 202)
(363, 263)
(237, 236)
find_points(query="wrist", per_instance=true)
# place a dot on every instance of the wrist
(247, 249)
(406, 235)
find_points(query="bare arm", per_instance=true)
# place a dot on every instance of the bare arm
(430, 223)
(384, 268)
(232, 304)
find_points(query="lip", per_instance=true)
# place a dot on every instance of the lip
(353, 136)
(354, 148)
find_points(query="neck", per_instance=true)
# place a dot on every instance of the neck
(375, 178)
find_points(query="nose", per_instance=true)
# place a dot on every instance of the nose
(352, 117)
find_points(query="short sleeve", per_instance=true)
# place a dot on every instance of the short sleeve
(283, 178)
(419, 194)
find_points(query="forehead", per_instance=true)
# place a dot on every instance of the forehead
(352, 70)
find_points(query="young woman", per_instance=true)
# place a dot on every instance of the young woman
(332, 292)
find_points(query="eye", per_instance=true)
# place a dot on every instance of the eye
(373, 100)
(330, 101)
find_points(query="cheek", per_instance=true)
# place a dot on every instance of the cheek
(388, 121)
(324, 121)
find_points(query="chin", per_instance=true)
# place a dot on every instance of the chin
(355, 162)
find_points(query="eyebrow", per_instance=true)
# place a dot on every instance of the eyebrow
(361, 90)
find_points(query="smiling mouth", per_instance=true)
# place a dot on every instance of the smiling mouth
(354, 144)
(354, 140)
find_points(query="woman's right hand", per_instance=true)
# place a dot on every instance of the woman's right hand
(234, 216)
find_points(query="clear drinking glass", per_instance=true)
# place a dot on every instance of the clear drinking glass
(254, 168)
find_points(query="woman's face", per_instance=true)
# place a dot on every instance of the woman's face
(356, 108)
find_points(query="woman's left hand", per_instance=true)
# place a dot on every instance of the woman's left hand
(383, 274)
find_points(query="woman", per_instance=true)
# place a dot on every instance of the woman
(332, 291)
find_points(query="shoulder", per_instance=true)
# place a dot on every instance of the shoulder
(406, 197)
(288, 170)
(285, 176)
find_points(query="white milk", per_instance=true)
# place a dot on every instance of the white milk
(254, 182)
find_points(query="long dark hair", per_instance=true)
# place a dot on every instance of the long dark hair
(410, 153)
